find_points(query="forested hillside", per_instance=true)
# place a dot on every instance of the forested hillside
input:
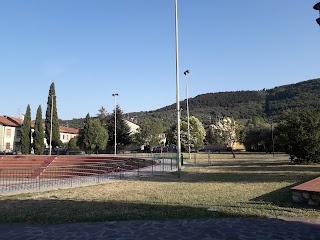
(301, 95)
(74, 123)
(240, 104)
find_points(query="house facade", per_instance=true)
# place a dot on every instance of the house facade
(133, 127)
(10, 134)
(66, 134)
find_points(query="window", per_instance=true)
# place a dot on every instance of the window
(8, 133)
(18, 133)
(7, 145)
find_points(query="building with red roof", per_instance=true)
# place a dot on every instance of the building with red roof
(10, 134)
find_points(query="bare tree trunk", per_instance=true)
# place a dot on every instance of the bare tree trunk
(234, 156)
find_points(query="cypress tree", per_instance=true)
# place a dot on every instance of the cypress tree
(87, 137)
(26, 132)
(52, 106)
(38, 134)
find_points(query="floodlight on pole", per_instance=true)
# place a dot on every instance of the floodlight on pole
(50, 141)
(317, 7)
(177, 89)
(115, 122)
(188, 114)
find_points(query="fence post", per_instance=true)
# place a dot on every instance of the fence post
(162, 165)
(39, 181)
(99, 173)
(209, 160)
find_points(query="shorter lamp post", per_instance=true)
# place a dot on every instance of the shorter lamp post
(115, 122)
(188, 115)
(317, 7)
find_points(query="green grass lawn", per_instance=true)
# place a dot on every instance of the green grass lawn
(251, 185)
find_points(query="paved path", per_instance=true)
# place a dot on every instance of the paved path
(200, 229)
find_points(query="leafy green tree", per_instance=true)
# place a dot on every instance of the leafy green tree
(52, 107)
(100, 136)
(257, 135)
(72, 144)
(123, 130)
(298, 133)
(227, 132)
(93, 136)
(197, 134)
(26, 132)
(258, 138)
(210, 137)
(38, 134)
(149, 133)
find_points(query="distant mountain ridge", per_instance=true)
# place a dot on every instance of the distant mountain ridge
(241, 105)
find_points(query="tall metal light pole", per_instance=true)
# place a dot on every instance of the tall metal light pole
(317, 7)
(177, 89)
(188, 115)
(50, 147)
(115, 122)
(272, 137)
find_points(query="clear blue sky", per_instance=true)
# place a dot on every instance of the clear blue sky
(91, 49)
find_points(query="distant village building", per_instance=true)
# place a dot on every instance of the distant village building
(133, 127)
(10, 134)
(66, 134)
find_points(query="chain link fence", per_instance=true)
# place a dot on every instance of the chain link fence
(53, 177)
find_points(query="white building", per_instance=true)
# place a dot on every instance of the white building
(66, 134)
(10, 134)
(133, 127)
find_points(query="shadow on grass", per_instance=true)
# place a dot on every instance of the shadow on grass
(71, 211)
(195, 176)
(261, 164)
(273, 168)
(282, 198)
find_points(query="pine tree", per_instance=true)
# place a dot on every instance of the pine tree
(26, 132)
(52, 107)
(102, 116)
(38, 134)
(123, 130)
